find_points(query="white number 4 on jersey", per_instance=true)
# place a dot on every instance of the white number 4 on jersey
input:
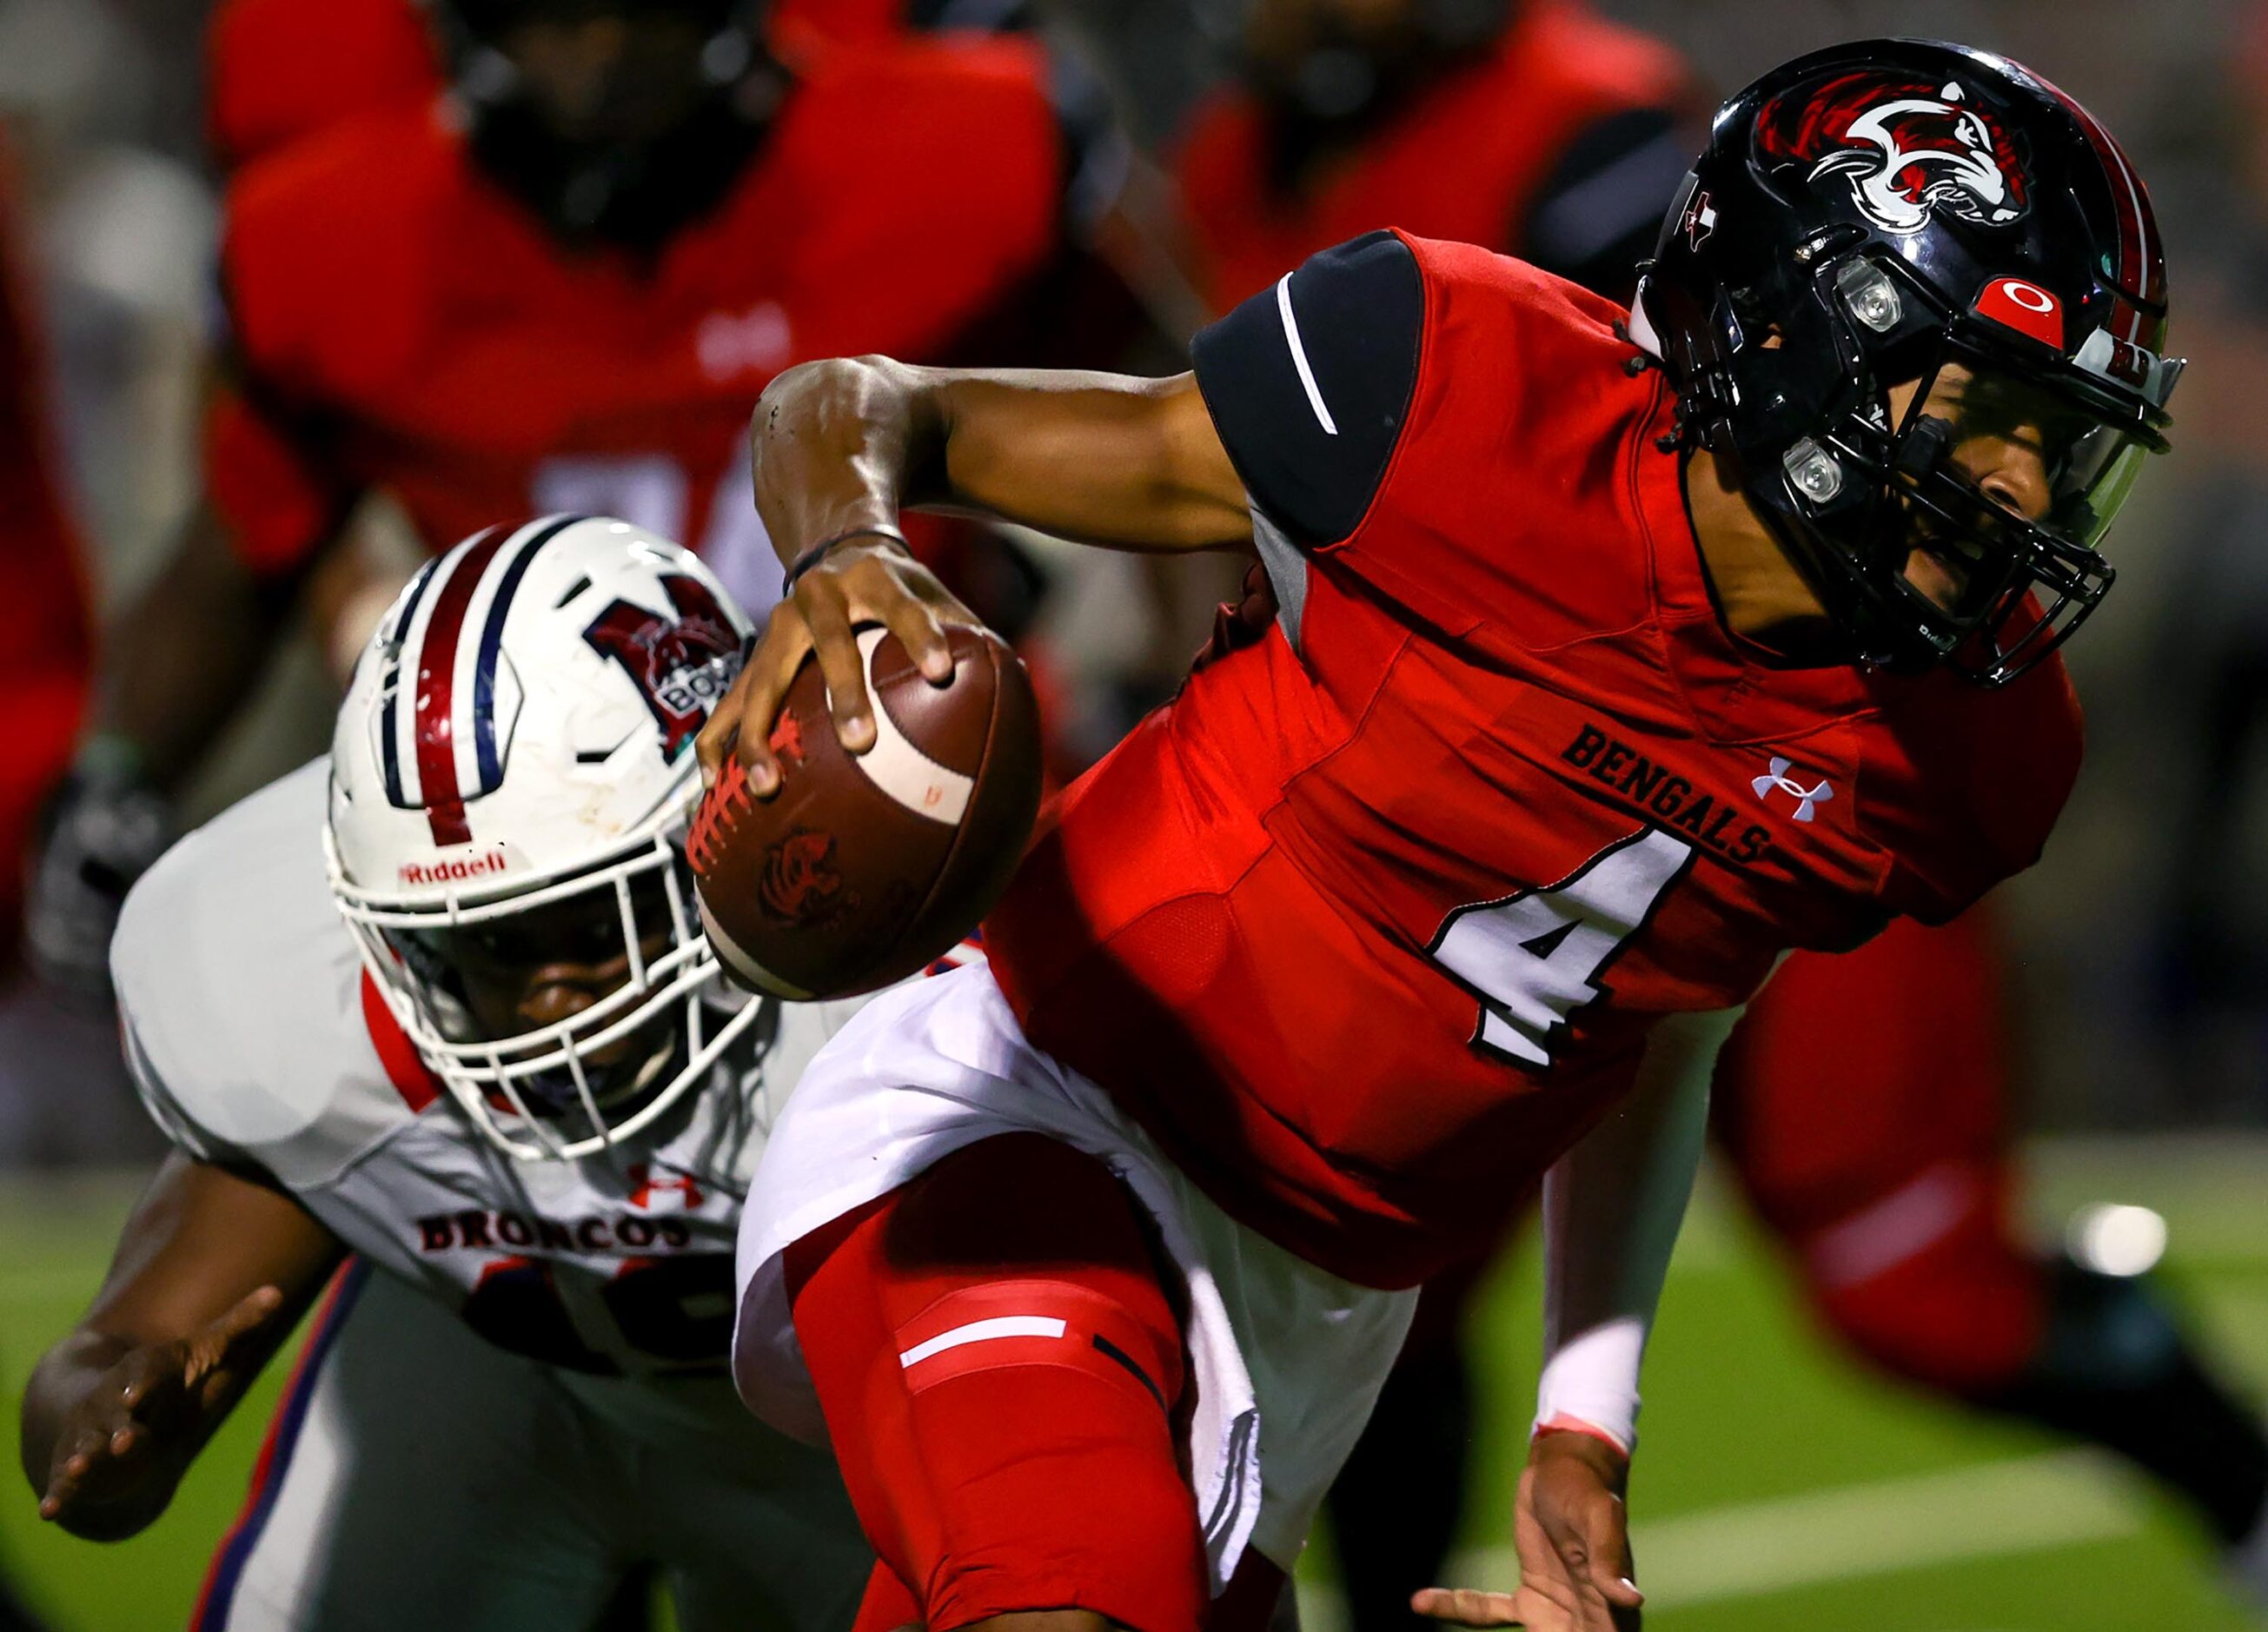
(1535, 959)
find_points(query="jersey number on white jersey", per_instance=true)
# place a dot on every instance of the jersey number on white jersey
(669, 1313)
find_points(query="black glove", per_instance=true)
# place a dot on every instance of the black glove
(103, 828)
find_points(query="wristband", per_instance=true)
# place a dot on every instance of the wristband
(1565, 1424)
(818, 552)
(1592, 1380)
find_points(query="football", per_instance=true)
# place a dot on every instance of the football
(865, 867)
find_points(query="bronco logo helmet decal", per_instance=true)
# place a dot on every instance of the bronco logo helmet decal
(1909, 149)
(681, 664)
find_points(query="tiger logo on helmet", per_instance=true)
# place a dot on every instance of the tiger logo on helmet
(1909, 149)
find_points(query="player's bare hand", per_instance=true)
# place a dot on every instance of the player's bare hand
(871, 582)
(133, 1434)
(1572, 1531)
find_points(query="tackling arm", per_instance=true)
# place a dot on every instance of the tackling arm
(211, 1274)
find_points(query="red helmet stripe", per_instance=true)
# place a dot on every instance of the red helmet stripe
(2141, 264)
(438, 788)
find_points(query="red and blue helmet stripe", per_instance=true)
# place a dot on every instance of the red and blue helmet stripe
(439, 746)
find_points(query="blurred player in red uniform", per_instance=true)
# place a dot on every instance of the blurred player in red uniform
(555, 292)
(1581, 698)
(278, 69)
(1541, 128)
(46, 647)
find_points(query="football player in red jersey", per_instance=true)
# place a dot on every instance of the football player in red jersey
(279, 70)
(556, 292)
(1567, 132)
(1540, 129)
(1616, 654)
(46, 646)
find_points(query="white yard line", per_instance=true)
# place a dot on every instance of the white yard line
(2057, 1499)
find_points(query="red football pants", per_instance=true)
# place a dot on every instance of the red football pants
(1000, 1367)
(1863, 1100)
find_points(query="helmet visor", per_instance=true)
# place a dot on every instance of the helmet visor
(2003, 484)
(2067, 459)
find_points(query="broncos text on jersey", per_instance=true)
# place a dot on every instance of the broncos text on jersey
(259, 1046)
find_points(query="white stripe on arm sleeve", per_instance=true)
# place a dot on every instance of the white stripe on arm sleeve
(1309, 384)
(1611, 1210)
(1299, 355)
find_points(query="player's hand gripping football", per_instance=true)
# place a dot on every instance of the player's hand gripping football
(865, 580)
(129, 1440)
(1572, 1531)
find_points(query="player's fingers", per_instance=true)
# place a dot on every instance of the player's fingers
(73, 1463)
(1465, 1607)
(840, 665)
(920, 631)
(150, 1381)
(763, 683)
(715, 738)
(1607, 1545)
(248, 1316)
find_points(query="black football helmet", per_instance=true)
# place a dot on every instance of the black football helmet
(592, 188)
(1872, 214)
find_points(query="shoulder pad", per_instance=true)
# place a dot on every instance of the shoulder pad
(238, 990)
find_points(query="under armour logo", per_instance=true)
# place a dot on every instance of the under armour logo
(1805, 798)
(645, 1186)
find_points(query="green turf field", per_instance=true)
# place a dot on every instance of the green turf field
(1778, 1488)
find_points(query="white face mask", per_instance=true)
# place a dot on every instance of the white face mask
(549, 1090)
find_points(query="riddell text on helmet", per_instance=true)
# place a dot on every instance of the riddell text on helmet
(456, 871)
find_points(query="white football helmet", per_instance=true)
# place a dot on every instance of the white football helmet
(517, 743)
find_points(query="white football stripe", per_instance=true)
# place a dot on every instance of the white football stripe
(1300, 354)
(901, 770)
(983, 1330)
(735, 958)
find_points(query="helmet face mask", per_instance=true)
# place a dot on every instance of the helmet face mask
(451, 974)
(622, 138)
(525, 909)
(1899, 261)
(1888, 470)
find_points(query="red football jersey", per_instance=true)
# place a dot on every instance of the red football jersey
(46, 628)
(1369, 924)
(278, 69)
(1471, 158)
(400, 321)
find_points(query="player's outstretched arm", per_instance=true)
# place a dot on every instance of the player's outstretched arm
(1612, 1207)
(211, 1274)
(842, 447)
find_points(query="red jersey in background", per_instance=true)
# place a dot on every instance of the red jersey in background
(1560, 144)
(400, 321)
(45, 635)
(279, 70)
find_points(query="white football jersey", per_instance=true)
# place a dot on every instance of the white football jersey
(259, 1046)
